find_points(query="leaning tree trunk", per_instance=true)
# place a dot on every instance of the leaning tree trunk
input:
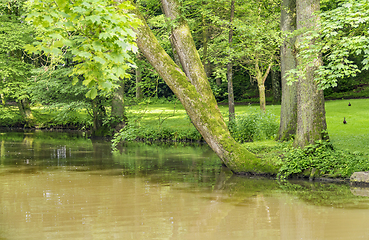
(288, 121)
(193, 90)
(311, 122)
(229, 68)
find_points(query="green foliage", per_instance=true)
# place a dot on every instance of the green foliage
(62, 117)
(256, 37)
(322, 158)
(10, 117)
(54, 90)
(155, 133)
(342, 36)
(98, 33)
(152, 85)
(254, 126)
(15, 68)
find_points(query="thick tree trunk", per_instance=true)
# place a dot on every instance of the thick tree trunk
(193, 90)
(229, 69)
(311, 120)
(288, 120)
(117, 108)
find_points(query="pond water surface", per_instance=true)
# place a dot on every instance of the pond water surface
(62, 186)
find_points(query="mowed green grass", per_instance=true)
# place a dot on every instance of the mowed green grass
(353, 136)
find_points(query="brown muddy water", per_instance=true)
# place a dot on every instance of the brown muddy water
(62, 186)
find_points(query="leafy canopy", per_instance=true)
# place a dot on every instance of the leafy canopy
(341, 36)
(14, 64)
(98, 33)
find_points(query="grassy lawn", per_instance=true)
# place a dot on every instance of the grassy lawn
(353, 136)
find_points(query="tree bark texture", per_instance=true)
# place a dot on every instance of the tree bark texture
(229, 69)
(288, 120)
(175, 54)
(139, 94)
(193, 90)
(311, 120)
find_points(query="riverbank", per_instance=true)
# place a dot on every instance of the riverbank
(169, 122)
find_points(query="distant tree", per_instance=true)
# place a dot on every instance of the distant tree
(231, 110)
(96, 32)
(259, 42)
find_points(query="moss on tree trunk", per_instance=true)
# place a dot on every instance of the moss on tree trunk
(193, 90)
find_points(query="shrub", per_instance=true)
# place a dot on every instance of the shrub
(10, 117)
(133, 132)
(254, 126)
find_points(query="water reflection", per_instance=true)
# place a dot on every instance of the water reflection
(76, 188)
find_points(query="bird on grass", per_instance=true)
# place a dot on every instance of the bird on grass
(344, 121)
(349, 104)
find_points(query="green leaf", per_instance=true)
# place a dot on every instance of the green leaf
(75, 81)
(107, 85)
(94, 18)
(91, 93)
(84, 54)
(100, 60)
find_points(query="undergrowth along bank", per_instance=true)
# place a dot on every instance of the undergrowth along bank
(246, 127)
(314, 161)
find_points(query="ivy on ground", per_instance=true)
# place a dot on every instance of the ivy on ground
(320, 160)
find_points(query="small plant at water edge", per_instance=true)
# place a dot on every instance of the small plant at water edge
(133, 132)
(320, 159)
